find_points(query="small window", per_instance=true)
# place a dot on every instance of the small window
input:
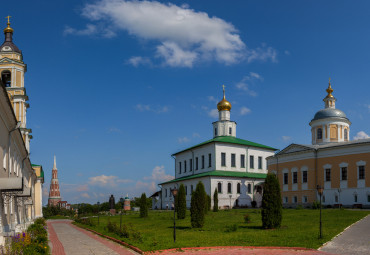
(305, 199)
(344, 173)
(345, 134)
(185, 166)
(251, 162)
(229, 188)
(186, 190)
(242, 161)
(210, 160)
(355, 197)
(361, 172)
(285, 178)
(323, 199)
(216, 133)
(295, 200)
(191, 165)
(249, 188)
(259, 162)
(304, 176)
(179, 167)
(166, 192)
(285, 199)
(295, 177)
(191, 189)
(336, 198)
(319, 133)
(233, 163)
(196, 163)
(327, 175)
(368, 198)
(238, 188)
(202, 161)
(219, 187)
(230, 130)
(6, 77)
(223, 159)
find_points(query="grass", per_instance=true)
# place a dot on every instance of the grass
(300, 228)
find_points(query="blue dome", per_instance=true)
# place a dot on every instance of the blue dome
(329, 113)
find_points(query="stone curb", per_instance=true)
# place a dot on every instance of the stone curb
(112, 239)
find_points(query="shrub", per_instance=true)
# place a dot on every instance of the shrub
(299, 207)
(209, 201)
(181, 203)
(254, 204)
(231, 228)
(215, 201)
(198, 204)
(40, 221)
(316, 205)
(85, 221)
(247, 218)
(271, 203)
(143, 206)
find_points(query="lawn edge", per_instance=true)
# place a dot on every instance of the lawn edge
(111, 238)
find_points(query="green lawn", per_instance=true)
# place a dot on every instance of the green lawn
(300, 228)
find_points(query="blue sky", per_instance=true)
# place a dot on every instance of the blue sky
(116, 87)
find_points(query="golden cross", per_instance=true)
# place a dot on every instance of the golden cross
(223, 87)
(8, 18)
(329, 80)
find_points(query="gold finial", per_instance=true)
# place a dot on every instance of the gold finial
(8, 29)
(224, 105)
(223, 88)
(329, 90)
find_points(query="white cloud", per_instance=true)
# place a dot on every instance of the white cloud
(244, 110)
(212, 99)
(85, 195)
(196, 135)
(183, 139)
(114, 130)
(82, 188)
(247, 82)
(286, 138)
(150, 108)
(361, 135)
(183, 36)
(159, 174)
(137, 61)
(107, 181)
(213, 113)
(286, 52)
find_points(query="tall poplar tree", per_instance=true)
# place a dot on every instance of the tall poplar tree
(181, 202)
(198, 206)
(215, 201)
(271, 203)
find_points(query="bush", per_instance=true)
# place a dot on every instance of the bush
(127, 231)
(215, 201)
(181, 203)
(254, 204)
(231, 228)
(299, 207)
(316, 205)
(209, 201)
(40, 221)
(198, 205)
(271, 203)
(247, 218)
(86, 221)
(143, 206)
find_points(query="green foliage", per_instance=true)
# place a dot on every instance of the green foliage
(86, 221)
(181, 203)
(247, 218)
(127, 231)
(143, 206)
(198, 205)
(209, 201)
(49, 211)
(271, 203)
(135, 202)
(316, 205)
(231, 228)
(215, 201)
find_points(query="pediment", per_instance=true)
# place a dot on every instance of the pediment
(294, 148)
(10, 61)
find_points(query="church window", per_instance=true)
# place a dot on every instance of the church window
(285, 178)
(345, 134)
(202, 161)
(196, 163)
(185, 166)
(179, 167)
(355, 197)
(344, 173)
(229, 188)
(251, 162)
(295, 177)
(361, 172)
(368, 198)
(216, 132)
(319, 133)
(327, 175)
(336, 198)
(249, 188)
(191, 189)
(166, 192)
(238, 188)
(285, 199)
(295, 200)
(186, 190)
(304, 199)
(233, 163)
(242, 161)
(219, 187)
(259, 162)
(223, 159)
(209, 160)
(230, 130)
(191, 165)
(6, 77)
(304, 177)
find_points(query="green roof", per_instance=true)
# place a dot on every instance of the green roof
(41, 172)
(220, 173)
(230, 139)
(35, 165)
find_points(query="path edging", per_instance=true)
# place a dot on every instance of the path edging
(112, 239)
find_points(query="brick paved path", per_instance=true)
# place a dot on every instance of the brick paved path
(354, 240)
(67, 239)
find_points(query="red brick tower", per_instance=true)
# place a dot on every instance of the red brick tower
(54, 193)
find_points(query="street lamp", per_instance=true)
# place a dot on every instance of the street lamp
(98, 203)
(320, 190)
(174, 193)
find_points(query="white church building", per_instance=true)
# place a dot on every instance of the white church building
(233, 166)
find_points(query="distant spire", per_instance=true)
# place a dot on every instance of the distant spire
(329, 90)
(8, 29)
(55, 163)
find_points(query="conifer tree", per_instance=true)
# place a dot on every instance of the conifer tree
(271, 203)
(209, 201)
(198, 205)
(215, 201)
(143, 206)
(181, 203)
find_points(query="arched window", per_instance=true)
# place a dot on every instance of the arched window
(319, 133)
(345, 134)
(249, 188)
(219, 187)
(6, 77)
(238, 188)
(229, 188)
(216, 132)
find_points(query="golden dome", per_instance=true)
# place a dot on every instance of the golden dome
(8, 29)
(224, 105)
(329, 90)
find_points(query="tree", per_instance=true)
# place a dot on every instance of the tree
(181, 203)
(143, 206)
(215, 201)
(271, 203)
(209, 201)
(198, 205)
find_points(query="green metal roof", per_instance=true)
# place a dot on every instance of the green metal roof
(35, 165)
(220, 173)
(41, 170)
(230, 139)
